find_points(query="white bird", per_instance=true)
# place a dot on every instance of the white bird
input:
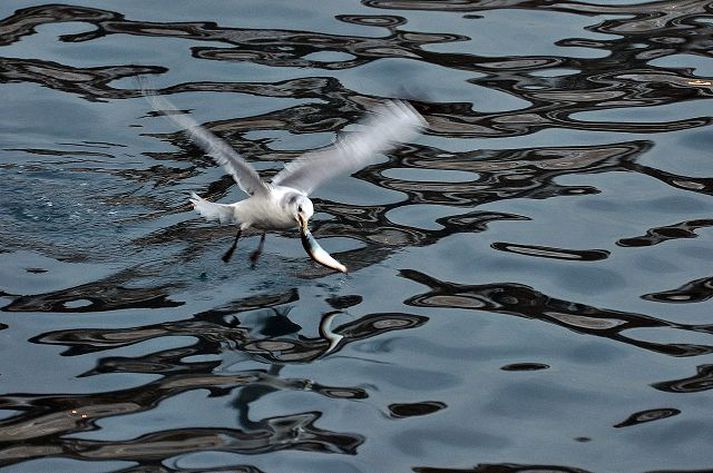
(284, 203)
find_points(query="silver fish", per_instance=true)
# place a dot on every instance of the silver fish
(316, 252)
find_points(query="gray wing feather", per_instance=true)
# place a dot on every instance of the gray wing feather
(244, 174)
(392, 123)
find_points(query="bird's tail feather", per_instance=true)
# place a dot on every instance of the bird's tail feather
(212, 211)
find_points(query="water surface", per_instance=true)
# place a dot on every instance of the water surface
(531, 278)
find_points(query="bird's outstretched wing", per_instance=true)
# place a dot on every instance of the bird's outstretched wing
(387, 125)
(243, 173)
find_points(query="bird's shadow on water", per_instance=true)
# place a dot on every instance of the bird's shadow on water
(270, 296)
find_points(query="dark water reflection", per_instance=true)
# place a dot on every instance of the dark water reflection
(523, 301)
(564, 178)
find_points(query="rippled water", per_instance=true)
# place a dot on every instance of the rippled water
(531, 278)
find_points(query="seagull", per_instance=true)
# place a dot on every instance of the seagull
(284, 202)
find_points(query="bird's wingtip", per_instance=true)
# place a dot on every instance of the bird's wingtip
(405, 111)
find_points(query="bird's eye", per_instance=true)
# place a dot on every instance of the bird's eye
(299, 209)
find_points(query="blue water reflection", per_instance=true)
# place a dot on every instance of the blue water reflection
(530, 279)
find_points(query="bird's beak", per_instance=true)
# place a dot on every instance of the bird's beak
(302, 222)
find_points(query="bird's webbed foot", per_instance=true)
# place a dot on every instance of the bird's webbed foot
(255, 255)
(229, 254)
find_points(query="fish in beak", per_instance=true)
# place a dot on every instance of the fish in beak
(316, 252)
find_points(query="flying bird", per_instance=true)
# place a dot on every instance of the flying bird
(284, 202)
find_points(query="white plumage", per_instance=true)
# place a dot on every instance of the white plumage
(284, 203)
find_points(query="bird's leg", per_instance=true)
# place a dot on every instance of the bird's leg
(255, 255)
(229, 254)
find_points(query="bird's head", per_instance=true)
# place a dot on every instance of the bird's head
(303, 210)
